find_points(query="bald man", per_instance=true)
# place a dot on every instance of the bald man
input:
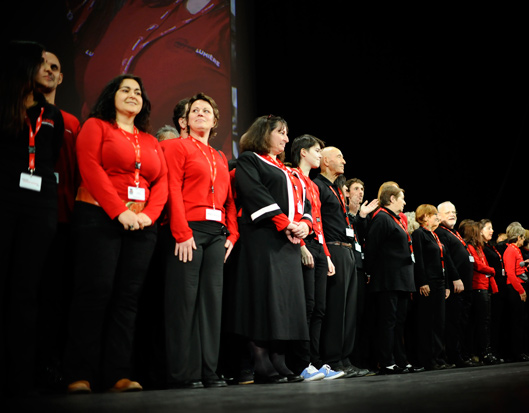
(339, 325)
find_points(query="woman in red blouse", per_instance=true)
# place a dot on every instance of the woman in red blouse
(516, 284)
(200, 236)
(122, 193)
(483, 285)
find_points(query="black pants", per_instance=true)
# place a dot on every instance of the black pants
(392, 307)
(516, 313)
(110, 268)
(27, 234)
(458, 328)
(481, 317)
(431, 324)
(339, 325)
(193, 304)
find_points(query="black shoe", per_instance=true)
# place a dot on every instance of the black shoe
(415, 369)
(490, 359)
(434, 367)
(294, 378)
(360, 372)
(246, 377)
(391, 370)
(445, 364)
(190, 384)
(275, 379)
(522, 357)
(214, 383)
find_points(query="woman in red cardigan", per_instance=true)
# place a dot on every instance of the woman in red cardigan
(122, 193)
(202, 231)
(483, 285)
(516, 284)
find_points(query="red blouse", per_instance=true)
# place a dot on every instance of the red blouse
(106, 160)
(512, 257)
(483, 277)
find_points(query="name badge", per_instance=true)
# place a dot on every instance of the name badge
(320, 238)
(214, 215)
(31, 182)
(300, 208)
(471, 258)
(349, 232)
(413, 258)
(358, 247)
(136, 194)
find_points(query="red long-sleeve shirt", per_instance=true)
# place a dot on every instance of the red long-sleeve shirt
(512, 257)
(480, 281)
(190, 182)
(106, 160)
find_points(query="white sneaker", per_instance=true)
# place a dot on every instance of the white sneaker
(312, 374)
(330, 374)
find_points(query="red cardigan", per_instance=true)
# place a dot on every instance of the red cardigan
(480, 281)
(190, 192)
(512, 256)
(106, 160)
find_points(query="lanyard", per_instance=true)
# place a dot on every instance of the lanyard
(137, 152)
(314, 199)
(31, 148)
(439, 245)
(342, 204)
(456, 234)
(399, 223)
(212, 167)
(281, 166)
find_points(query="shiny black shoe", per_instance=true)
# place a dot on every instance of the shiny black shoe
(294, 378)
(415, 369)
(275, 379)
(391, 370)
(214, 383)
(190, 384)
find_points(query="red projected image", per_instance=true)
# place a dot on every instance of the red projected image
(178, 48)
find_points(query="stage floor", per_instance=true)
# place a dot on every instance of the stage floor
(501, 388)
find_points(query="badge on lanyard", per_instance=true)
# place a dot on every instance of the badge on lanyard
(31, 181)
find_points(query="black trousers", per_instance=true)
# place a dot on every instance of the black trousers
(193, 305)
(24, 244)
(430, 330)
(458, 328)
(517, 314)
(392, 307)
(339, 325)
(481, 304)
(110, 268)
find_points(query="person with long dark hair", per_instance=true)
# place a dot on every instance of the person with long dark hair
(32, 132)
(122, 193)
(269, 307)
(200, 235)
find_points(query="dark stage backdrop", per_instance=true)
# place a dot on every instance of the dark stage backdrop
(434, 98)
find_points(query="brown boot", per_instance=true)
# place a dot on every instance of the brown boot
(125, 385)
(79, 387)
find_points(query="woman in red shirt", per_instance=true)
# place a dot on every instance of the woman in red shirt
(202, 231)
(483, 285)
(122, 193)
(516, 282)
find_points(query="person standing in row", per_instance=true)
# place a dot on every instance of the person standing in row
(200, 236)
(122, 193)
(269, 299)
(389, 260)
(316, 259)
(32, 134)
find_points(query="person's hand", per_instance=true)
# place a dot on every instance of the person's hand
(144, 220)
(229, 246)
(458, 286)
(306, 257)
(302, 230)
(184, 250)
(447, 293)
(523, 296)
(290, 234)
(129, 220)
(424, 290)
(366, 209)
(331, 269)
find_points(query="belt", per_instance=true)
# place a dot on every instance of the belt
(341, 244)
(85, 196)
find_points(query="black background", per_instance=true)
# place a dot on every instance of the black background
(432, 97)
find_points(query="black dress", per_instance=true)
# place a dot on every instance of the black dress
(269, 300)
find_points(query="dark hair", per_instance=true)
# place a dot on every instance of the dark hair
(303, 142)
(21, 63)
(387, 192)
(471, 232)
(352, 181)
(179, 111)
(211, 101)
(105, 107)
(257, 137)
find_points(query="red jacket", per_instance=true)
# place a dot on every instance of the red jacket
(512, 257)
(483, 277)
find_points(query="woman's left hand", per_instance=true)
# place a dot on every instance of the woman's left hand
(144, 220)
(301, 231)
(229, 246)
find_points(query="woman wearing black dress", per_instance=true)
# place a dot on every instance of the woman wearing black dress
(269, 303)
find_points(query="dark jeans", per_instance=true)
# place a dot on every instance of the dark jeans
(193, 305)
(27, 234)
(110, 268)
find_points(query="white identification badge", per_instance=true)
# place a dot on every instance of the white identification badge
(413, 258)
(214, 215)
(31, 182)
(471, 258)
(349, 232)
(300, 208)
(320, 238)
(358, 247)
(136, 194)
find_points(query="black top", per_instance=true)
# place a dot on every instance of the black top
(428, 260)
(388, 258)
(459, 254)
(15, 158)
(494, 255)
